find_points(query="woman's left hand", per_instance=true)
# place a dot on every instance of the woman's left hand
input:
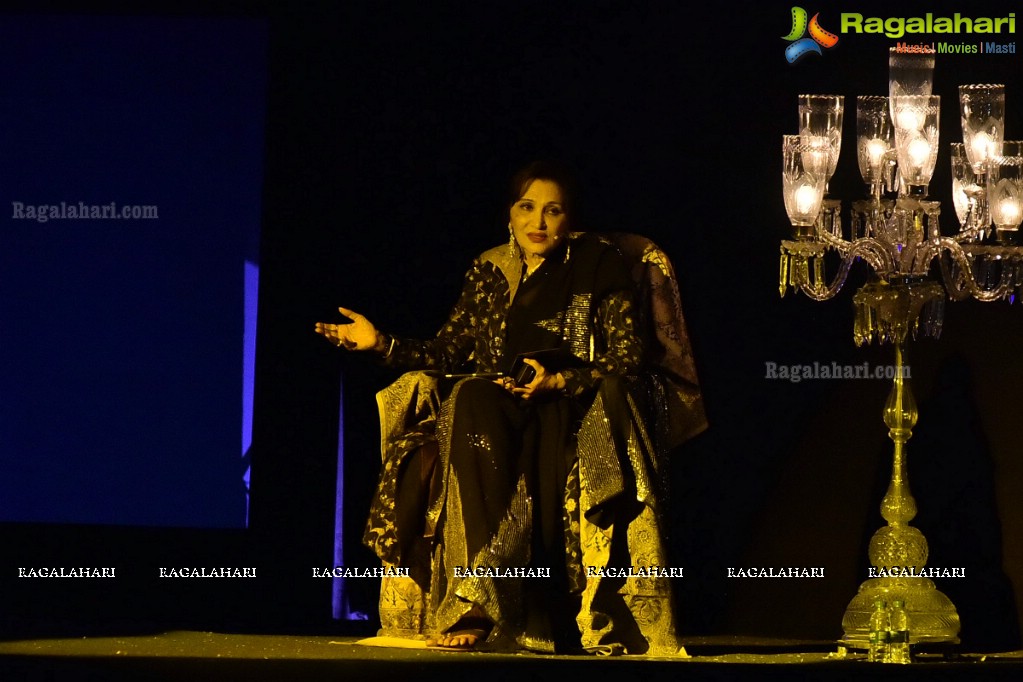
(541, 383)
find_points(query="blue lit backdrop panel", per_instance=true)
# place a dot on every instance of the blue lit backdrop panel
(121, 340)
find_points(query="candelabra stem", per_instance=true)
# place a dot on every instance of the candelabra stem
(900, 414)
(875, 192)
(982, 210)
(898, 551)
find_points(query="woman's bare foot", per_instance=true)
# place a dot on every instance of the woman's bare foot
(465, 639)
(469, 632)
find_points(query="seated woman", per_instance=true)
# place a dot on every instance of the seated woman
(505, 451)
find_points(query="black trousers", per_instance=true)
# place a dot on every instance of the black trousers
(497, 440)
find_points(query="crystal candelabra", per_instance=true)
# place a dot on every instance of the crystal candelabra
(915, 270)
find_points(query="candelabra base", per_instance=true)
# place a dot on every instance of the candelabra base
(932, 616)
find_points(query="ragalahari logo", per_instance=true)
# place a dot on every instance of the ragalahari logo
(801, 45)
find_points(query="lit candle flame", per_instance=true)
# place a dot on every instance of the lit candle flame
(982, 146)
(919, 151)
(909, 119)
(1010, 211)
(807, 197)
(876, 149)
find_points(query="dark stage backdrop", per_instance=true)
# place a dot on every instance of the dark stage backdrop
(392, 130)
(130, 175)
(414, 117)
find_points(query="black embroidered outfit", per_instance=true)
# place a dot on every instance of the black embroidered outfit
(477, 481)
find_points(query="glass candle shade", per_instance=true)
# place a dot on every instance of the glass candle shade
(982, 111)
(916, 139)
(875, 137)
(962, 177)
(966, 187)
(820, 116)
(1005, 190)
(909, 73)
(804, 174)
(968, 196)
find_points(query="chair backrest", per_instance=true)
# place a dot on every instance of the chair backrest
(662, 325)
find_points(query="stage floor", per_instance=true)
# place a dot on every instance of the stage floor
(189, 655)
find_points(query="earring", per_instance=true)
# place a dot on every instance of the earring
(511, 241)
(568, 250)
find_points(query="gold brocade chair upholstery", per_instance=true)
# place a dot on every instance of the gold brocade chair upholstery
(635, 612)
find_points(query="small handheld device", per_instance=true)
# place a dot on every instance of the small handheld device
(524, 374)
(553, 360)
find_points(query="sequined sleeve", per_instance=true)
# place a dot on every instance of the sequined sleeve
(452, 349)
(622, 352)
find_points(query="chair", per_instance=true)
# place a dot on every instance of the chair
(636, 613)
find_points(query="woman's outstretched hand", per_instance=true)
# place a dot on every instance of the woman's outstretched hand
(359, 334)
(541, 383)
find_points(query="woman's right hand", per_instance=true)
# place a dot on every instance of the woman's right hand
(359, 334)
(542, 382)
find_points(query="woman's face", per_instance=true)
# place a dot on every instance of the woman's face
(538, 218)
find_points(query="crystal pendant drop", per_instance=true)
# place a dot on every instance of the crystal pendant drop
(783, 274)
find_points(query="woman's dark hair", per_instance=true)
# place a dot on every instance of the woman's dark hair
(553, 171)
